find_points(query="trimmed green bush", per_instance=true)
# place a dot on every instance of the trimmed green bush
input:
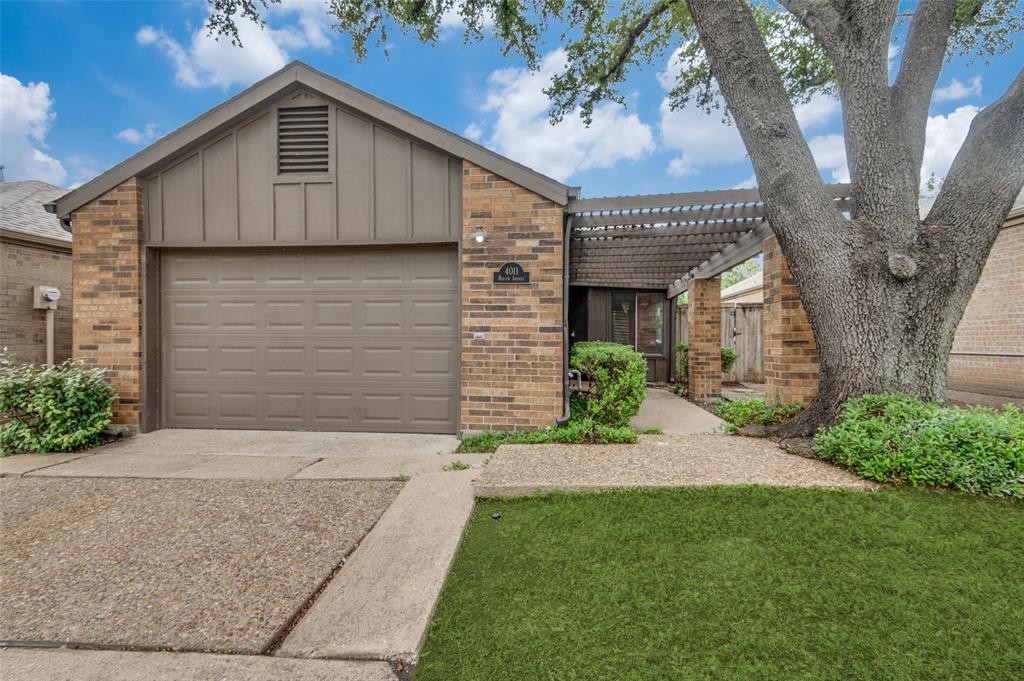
(897, 438)
(579, 430)
(52, 409)
(740, 413)
(728, 360)
(618, 381)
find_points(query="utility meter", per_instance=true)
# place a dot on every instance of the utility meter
(45, 297)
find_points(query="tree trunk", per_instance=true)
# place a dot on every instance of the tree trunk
(882, 325)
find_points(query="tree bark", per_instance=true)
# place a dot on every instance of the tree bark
(883, 290)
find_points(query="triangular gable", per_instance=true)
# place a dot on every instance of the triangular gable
(295, 76)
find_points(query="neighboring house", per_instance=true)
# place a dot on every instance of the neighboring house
(34, 250)
(988, 350)
(749, 290)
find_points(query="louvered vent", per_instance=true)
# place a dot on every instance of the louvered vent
(302, 140)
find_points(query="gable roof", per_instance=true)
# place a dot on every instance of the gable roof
(22, 212)
(292, 77)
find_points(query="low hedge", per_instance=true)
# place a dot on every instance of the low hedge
(52, 409)
(618, 381)
(579, 430)
(900, 439)
(740, 413)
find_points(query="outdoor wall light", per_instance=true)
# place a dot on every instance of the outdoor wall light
(479, 235)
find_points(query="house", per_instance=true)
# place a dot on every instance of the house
(34, 251)
(307, 256)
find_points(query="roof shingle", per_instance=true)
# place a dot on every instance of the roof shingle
(22, 211)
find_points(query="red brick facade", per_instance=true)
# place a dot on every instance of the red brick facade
(107, 273)
(704, 337)
(988, 350)
(790, 354)
(512, 378)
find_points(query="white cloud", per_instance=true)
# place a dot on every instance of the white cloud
(818, 111)
(474, 132)
(134, 136)
(679, 167)
(452, 22)
(521, 130)
(205, 61)
(830, 155)
(957, 90)
(943, 137)
(26, 114)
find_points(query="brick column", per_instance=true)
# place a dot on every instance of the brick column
(704, 337)
(107, 274)
(511, 378)
(790, 353)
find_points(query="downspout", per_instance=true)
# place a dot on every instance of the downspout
(574, 192)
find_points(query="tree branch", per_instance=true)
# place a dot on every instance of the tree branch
(987, 173)
(911, 94)
(799, 209)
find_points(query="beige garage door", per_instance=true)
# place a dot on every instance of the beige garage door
(317, 339)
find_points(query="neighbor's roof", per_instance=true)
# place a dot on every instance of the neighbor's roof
(754, 282)
(292, 77)
(22, 211)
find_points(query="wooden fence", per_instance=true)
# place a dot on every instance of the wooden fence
(742, 331)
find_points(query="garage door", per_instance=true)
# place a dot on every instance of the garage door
(317, 339)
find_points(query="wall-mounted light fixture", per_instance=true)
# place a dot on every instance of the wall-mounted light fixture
(479, 235)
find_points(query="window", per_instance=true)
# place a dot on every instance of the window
(302, 140)
(623, 317)
(650, 323)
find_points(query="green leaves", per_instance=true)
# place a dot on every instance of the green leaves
(618, 381)
(740, 413)
(896, 438)
(52, 409)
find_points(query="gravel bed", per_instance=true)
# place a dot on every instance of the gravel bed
(204, 565)
(656, 461)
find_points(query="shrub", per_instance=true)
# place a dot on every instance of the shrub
(580, 430)
(740, 413)
(52, 409)
(897, 438)
(618, 381)
(728, 360)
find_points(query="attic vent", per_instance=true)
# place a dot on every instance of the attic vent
(302, 140)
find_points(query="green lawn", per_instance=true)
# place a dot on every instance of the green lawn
(735, 583)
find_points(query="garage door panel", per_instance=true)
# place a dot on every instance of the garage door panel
(330, 340)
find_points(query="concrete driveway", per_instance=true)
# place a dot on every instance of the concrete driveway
(228, 544)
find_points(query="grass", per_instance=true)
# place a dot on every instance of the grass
(734, 583)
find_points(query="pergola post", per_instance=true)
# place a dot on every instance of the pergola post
(790, 354)
(704, 336)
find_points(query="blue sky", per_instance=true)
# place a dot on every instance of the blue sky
(87, 84)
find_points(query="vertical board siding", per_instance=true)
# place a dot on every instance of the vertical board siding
(220, 189)
(743, 333)
(381, 187)
(354, 178)
(255, 175)
(391, 185)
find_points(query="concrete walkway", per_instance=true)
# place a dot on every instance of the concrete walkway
(655, 461)
(673, 415)
(378, 605)
(62, 664)
(251, 455)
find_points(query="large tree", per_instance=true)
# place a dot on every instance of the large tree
(883, 288)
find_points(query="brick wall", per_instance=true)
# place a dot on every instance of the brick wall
(22, 328)
(790, 353)
(108, 288)
(703, 336)
(513, 378)
(993, 323)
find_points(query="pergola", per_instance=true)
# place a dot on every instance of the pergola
(665, 241)
(682, 242)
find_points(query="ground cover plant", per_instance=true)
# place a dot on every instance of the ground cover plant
(740, 413)
(617, 380)
(734, 583)
(61, 408)
(897, 438)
